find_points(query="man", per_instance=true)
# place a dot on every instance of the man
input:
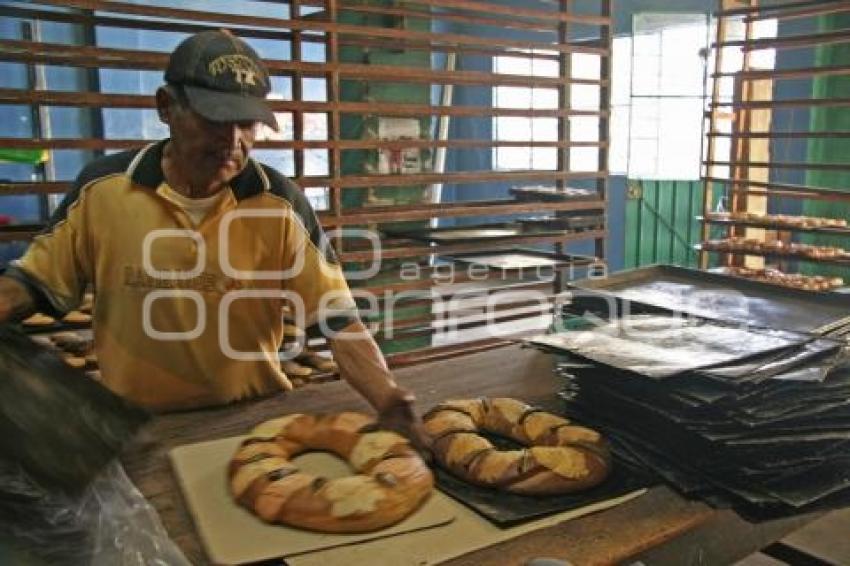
(193, 249)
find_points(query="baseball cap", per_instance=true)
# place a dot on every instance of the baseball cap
(223, 78)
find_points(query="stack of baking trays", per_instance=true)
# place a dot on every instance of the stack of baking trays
(740, 396)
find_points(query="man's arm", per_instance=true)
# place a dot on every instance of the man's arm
(15, 300)
(362, 365)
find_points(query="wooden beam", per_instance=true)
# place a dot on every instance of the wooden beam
(784, 187)
(790, 135)
(417, 251)
(42, 188)
(363, 181)
(818, 8)
(373, 42)
(513, 11)
(101, 144)
(454, 209)
(448, 16)
(373, 180)
(776, 74)
(783, 165)
(770, 8)
(789, 42)
(317, 26)
(102, 57)
(786, 103)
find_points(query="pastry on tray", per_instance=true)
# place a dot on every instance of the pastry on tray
(390, 482)
(558, 456)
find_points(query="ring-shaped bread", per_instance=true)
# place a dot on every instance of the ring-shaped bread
(558, 457)
(390, 483)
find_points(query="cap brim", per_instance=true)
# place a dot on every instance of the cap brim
(218, 106)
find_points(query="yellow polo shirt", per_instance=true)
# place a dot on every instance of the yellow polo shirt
(186, 315)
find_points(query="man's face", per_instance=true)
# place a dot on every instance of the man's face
(212, 152)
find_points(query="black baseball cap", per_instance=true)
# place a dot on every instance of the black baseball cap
(223, 78)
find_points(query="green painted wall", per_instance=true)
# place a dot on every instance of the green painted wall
(826, 150)
(364, 162)
(661, 224)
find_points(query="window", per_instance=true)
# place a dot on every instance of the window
(664, 100)
(583, 128)
(660, 92)
(521, 128)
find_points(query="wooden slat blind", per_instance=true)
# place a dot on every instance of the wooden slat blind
(539, 30)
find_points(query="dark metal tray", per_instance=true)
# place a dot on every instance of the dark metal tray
(669, 287)
(508, 509)
(557, 194)
(474, 233)
(566, 222)
(521, 258)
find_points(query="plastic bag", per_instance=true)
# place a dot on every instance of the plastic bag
(109, 524)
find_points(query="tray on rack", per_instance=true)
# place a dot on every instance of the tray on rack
(575, 220)
(521, 258)
(714, 296)
(474, 233)
(549, 193)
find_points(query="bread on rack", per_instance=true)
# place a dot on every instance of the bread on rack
(559, 457)
(738, 244)
(779, 220)
(791, 280)
(390, 483)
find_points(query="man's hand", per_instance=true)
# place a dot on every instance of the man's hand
(399, 416)
(363, 366)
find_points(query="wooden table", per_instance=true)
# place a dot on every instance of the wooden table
(659, 527)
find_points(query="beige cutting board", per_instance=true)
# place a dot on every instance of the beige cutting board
(232, 535)
(467, 533)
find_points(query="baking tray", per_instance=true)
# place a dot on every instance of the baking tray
(473, 233)
(549, 193)
(568, 222)
(522, 258)
(507, 509)
(663, 346)
(667, 287)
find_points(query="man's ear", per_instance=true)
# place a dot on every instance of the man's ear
(163, 105)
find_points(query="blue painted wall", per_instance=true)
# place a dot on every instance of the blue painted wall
(471, 128)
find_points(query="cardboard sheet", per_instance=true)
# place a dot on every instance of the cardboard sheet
(467, 533)
(232, 535)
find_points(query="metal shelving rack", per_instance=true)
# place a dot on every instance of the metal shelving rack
(747, 180)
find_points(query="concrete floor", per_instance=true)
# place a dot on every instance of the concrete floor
(821, 543)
